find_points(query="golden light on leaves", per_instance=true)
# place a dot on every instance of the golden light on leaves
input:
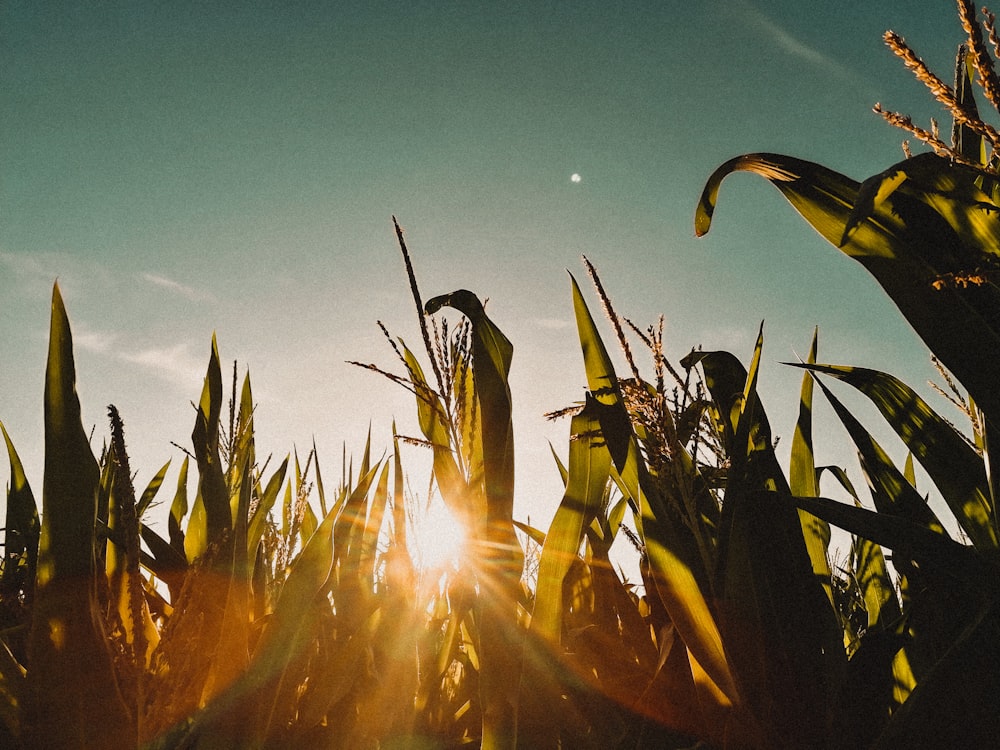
(437, 538)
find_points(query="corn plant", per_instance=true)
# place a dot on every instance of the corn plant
(238, 629)
(927, 229)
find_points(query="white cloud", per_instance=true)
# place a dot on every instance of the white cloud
(93, 341)
(792, 45)
(175, 363)
(175, 286)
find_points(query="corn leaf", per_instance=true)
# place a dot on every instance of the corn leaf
(779, 627)
(680, 582)
(71, 673)
(803, 479)
(213, 494)
(952, 464)
(178, 509)
(502, 559)
(589, 465)
(21, 532)
(890, 490)
(928, 547)
(924, 229)
(149, 494)
(258, 519)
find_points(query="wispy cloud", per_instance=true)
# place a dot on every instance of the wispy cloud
(177, 287)
(174, 363)
(791, 44)
(99, 342)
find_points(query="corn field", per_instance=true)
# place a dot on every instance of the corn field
(281, 610)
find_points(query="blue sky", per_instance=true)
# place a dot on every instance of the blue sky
(183, 168)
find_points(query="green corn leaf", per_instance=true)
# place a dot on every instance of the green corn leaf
(149, 494)
(179, 509)
(71, 673)
(909, 473)
(213, 493)
(349, 532)
(368, 546)
(534, 534)
(242, 462)
(321, 493)
(772, 601)
(258, 521)
(803, 479)
(890, 490)
(589, 467)
(869, 568)
(21, 532)
(680, 581)
(502, 560)
(952, 464)
(165, 562)
(309, 524)
(196, 531)
(928, 234)
(928, 547)
(563, 471)
(949, 706)
(491, 360)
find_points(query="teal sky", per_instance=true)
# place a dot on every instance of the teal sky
(183, 168)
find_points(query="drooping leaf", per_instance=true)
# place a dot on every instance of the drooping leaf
(501, 560)
(929, 548)
(928, 234)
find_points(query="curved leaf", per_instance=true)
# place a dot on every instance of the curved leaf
(502, 560)
(926, 232)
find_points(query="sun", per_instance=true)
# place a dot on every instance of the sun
(437, 538)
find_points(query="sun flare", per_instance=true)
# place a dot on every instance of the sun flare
(437, 539)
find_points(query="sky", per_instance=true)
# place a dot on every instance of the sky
(186, 168)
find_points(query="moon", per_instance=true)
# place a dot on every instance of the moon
(575, 177)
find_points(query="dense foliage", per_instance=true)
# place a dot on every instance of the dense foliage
(278, 613)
